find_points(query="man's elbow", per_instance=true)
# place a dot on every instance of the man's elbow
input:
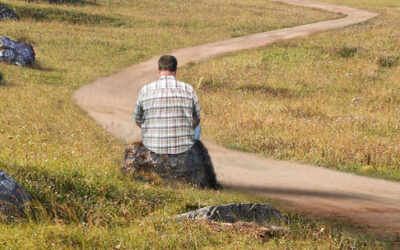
(196, 123)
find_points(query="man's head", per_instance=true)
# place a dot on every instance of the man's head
(167, 65)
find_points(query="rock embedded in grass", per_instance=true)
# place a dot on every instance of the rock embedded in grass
(12, 196)
(261, 214)
(7, 13)
(16, 53)
(193, 166)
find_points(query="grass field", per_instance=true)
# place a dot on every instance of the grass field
(331, 99)
(72, 167)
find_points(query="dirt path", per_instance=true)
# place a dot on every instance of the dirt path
(373, 203)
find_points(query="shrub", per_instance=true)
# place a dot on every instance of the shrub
(61, 15)
(388, 61)
(64, 1)
(347, 52)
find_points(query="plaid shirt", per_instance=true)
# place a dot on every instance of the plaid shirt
(166, 110)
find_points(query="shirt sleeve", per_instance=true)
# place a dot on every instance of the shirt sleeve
(138, 112)
(196, 107)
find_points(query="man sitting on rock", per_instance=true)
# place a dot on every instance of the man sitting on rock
(167, 111)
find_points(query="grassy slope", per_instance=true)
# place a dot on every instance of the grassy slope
(71, 166)
(331, 99)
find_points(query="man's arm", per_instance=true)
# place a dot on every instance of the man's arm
(138, 113)
(196, 123)
(196, 110)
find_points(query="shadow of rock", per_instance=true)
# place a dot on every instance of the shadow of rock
(37, 66)
(12, 196)
(193, 166)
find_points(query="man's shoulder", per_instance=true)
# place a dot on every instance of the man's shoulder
(159, 85)
(147, 87)
(186, 86)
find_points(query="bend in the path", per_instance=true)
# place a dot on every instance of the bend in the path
(321, 192)
(113, 96)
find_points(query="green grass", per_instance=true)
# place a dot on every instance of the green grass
(71, 166)
(29, 12)
(330, 99)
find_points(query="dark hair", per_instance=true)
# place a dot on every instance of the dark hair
(167, 62)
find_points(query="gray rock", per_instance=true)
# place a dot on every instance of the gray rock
(16, 53)
(261, 214)
(7, 13)
(193, 166)
(12, 196)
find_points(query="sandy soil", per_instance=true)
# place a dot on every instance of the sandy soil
(372, 204)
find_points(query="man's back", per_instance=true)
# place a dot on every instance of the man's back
(166, 110)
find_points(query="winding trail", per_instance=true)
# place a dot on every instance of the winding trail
(372, 203)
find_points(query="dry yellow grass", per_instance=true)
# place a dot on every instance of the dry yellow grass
(40, 124)
(72, 167)
(330, 99)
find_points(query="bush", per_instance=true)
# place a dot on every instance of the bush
(64, 1)
(61, 15)
(347, 52)
(388, 61)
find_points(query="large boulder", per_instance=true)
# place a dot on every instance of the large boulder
(261, 214)
(12, 196)
(16, 53)
(7, 13)
(193, 166)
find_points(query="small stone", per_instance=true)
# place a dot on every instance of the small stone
(356, 99)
